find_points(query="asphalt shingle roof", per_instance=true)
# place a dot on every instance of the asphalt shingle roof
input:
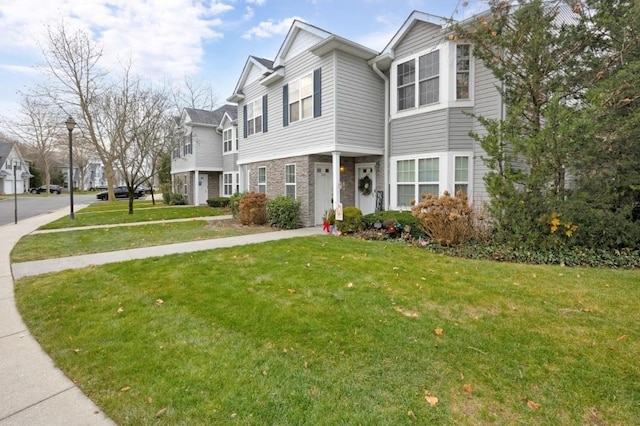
(203, 116)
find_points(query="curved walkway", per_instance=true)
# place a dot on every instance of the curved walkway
(32, 390)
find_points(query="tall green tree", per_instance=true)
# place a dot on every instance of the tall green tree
(607, 195)
(533, 50)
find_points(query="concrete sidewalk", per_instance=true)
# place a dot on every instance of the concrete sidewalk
(32, 390)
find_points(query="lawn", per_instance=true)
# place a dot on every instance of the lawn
(112, 213)
(85, 241)
(332, 330)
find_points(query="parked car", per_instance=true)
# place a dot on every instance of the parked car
(98, 188)
(119, 192)
(54, 189)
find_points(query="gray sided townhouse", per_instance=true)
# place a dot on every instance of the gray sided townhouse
(204, 159)
(331, 122)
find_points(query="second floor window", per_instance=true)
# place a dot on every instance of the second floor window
(301, 99)
(426, 87)
(188, 144)
(254, 117)
(227, 141)
(462, 71)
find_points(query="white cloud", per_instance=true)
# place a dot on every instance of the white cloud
(256, 2)
(270, 28)
(249, 13)
(164, 39)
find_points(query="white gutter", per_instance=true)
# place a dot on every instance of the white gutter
(386, 135)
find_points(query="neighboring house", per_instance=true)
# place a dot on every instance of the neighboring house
(200, 163)
(434, 85)
(12, 164)
(312, 123)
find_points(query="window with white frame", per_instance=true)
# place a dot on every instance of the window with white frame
(427, 84)
(237, 186)
(461, 175)
(227, 141)
(301, 98)
(227, 184)
(429, 75)
(415, 177)
(463, 69)
(290, 180)
(254, 117)
(188, 144)
(262, 180)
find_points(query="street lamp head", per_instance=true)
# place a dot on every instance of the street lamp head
(70, 123)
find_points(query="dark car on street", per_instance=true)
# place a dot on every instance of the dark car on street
(54, 189)
(119, 192)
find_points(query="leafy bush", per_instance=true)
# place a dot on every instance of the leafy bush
(218, 202)
(234, 204)
(352, 220)
(446, 220)
(177, 199)
(284, 212)
(402, 222)
(253, 209)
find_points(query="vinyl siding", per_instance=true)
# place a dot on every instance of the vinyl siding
(207, 148)
(487, 104)
(302, 42)
(303, 137)
(420, 133)
(460, 124)
(359, 104)
(419, 37)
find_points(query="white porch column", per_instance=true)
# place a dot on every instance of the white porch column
(196, 188)
(336, 178)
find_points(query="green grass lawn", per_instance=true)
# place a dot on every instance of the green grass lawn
(85, 241)
(332, 330)
(112, 213)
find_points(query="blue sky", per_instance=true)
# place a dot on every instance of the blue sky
(206, 40)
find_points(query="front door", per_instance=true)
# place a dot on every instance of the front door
(366, 188)
(323, 192)
(203, 189)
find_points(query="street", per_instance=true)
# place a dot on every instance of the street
(33, 205)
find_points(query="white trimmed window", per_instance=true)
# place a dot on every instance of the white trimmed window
(227, 141)
(227, 184)
(415, 177)
(290, 180)
(463, 69)
(254, 117)
(262, 180)
(188, 144)
(237, 186)
(461, 175)
(427, 85)
(301, 99)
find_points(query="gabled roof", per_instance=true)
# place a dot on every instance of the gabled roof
(273, 71)
(264, 65)
(209, 118)
(5, 150)
(387, 55)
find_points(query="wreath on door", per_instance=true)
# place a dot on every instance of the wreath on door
(365, 185)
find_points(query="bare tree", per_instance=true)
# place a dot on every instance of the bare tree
(134, 118)
(73, 61)
(38, 128)
(196, 94)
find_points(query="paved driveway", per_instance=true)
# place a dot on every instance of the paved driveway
(33, 205)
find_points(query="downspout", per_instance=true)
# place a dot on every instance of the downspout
(386, 135)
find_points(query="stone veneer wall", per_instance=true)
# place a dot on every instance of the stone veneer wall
(305, 185)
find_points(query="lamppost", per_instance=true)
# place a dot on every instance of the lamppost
(70, 125)
(15, 195)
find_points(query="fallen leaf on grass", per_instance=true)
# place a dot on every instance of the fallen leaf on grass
(159, 302)
(411, 414)
(432, 400)
(291, 291)
(406, 312)
(150, 400)
(161, 412)
(120, 310)
(623, 338)
(125, 388)
(439, 331)
(533, 405)
(467, 388)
